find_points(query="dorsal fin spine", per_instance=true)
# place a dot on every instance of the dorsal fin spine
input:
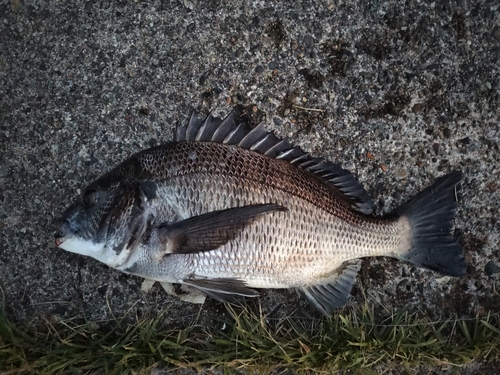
(266, 143)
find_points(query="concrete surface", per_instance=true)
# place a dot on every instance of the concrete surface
(398, 92)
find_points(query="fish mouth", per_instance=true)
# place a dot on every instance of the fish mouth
(59, 236)
(62, 227)
(58, 241)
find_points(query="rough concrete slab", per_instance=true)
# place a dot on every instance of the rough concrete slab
(398, 92)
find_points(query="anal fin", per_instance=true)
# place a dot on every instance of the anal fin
(333, 295)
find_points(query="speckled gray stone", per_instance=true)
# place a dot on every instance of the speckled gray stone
(398, 92)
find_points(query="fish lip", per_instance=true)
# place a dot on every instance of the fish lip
(58, 241)
(61, 234)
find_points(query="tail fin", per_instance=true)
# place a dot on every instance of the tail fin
(431, 215)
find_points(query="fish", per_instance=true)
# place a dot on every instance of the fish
(226, 209)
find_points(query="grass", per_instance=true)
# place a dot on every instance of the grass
(351, 340)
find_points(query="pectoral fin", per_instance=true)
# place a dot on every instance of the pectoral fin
(223, 289)
(211, 230)
(333, 295)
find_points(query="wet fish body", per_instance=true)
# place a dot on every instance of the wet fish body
(226, 209)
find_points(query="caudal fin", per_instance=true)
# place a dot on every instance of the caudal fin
(431, 214)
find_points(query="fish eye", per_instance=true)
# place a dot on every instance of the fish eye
(90, 198)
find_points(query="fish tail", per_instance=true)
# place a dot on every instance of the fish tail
(430, 215)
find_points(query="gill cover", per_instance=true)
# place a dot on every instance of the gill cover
(129, 219)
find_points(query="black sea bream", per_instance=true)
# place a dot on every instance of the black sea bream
(225, 209)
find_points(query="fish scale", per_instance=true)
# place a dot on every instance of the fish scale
(225, 209)
(174, 160)
(323, 242)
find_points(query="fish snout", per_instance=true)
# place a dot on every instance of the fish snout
(63, 225)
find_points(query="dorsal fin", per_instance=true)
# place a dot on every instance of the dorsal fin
(213, 129)
(208, 128)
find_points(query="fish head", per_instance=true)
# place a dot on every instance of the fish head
(106, 222)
